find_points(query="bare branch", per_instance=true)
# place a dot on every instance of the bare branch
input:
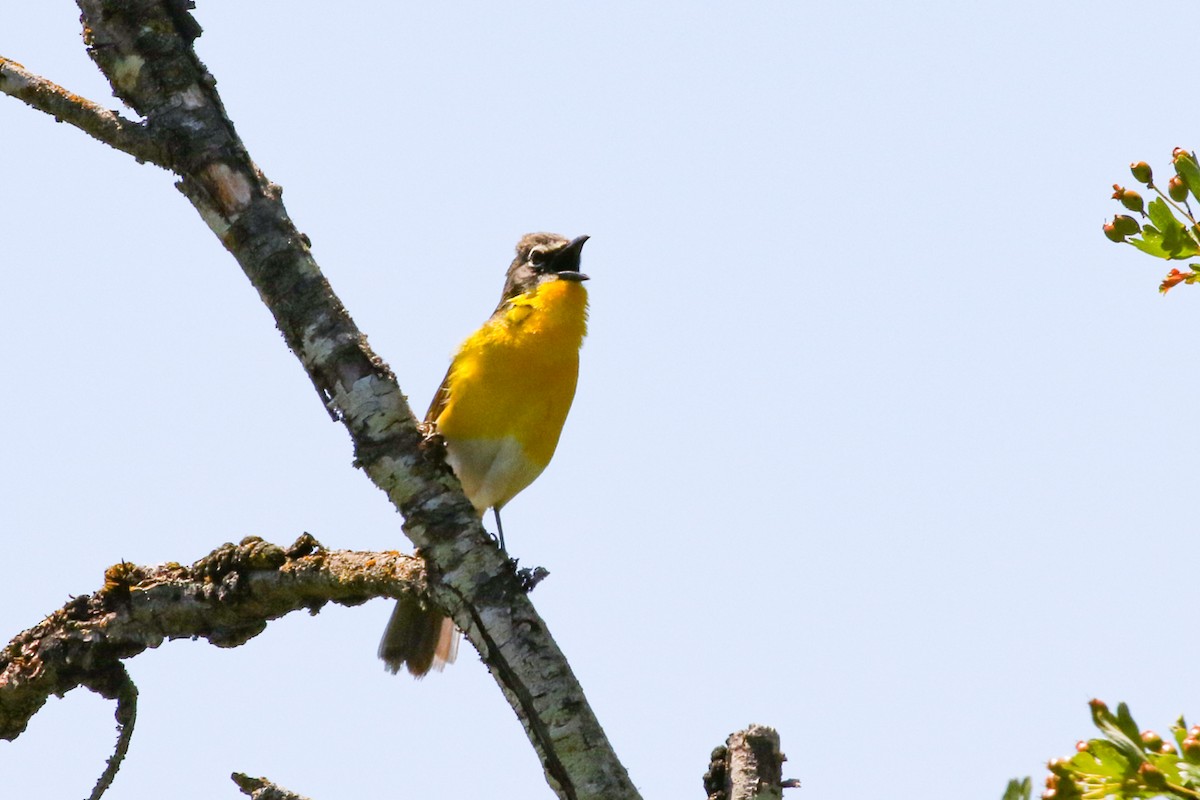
(126, 714)
(263, 789)
(98, 122)
(144, 49)
(749, 766)
(227, 597)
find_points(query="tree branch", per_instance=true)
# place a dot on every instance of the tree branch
(227, 597)
(98, 122)
(263, 789)
(749, 766)
(144, 48)
(126, 714)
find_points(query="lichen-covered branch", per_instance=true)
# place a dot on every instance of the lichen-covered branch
(263, 789)
(749, 766)
(144, 48)
(91, 118)
(227, 597)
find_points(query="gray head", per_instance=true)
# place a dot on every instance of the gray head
(543, 257)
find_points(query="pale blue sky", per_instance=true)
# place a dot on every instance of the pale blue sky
(877, 439)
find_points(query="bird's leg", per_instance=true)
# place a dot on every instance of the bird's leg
(500, 530)
(528, 578)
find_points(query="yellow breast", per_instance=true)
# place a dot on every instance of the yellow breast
(510, 387)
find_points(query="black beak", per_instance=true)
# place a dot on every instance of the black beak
(566, 261)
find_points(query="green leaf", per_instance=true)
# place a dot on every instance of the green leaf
(1018, 790)
(1175, 241)
(1150, 243)
(1186, 246)
(1103, 759)
(1113, 727)
(1189, 774)
(1178, 243)
(1161, 214)
(1179, 730)
(1169, 765)
(1127, 725)
(1171, 241)
(1175, 244)
(1187, 169)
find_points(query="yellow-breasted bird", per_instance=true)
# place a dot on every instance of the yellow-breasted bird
(500, 409)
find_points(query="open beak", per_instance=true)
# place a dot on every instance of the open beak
(566, 261)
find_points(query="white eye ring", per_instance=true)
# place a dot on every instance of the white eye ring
(537, 255)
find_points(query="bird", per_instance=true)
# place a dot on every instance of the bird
(500, 410)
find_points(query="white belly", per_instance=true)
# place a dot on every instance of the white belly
(492, 471)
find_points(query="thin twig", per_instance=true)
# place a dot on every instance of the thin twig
(127, 695)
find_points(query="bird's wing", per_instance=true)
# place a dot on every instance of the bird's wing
(440, 398)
